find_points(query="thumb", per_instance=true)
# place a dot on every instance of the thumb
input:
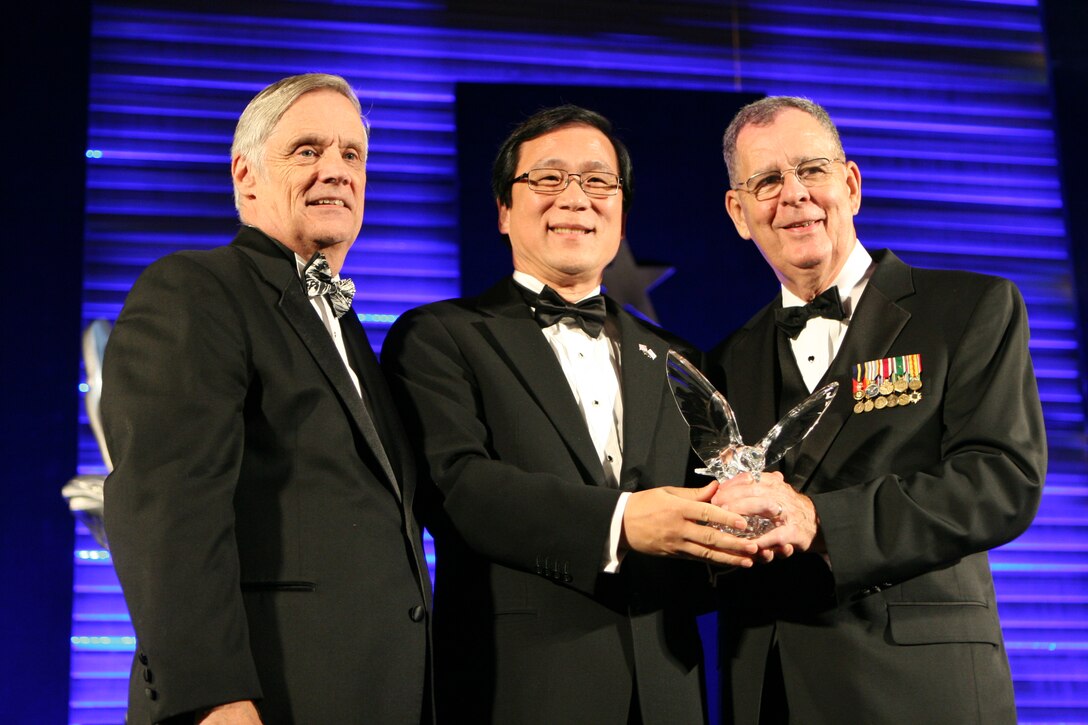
(703, 494)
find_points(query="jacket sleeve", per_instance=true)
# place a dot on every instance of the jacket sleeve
(984, 487)
(522, 506)
(175, 380)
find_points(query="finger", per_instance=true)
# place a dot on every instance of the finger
(704, 493)
(778, 541)
(711, 538)
(772, 478)
(764, 506)
(729, 559)
(715, 515)
(716, 556)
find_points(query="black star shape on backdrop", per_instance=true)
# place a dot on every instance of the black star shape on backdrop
(629, 283)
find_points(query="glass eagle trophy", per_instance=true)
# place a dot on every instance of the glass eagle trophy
(715, 435)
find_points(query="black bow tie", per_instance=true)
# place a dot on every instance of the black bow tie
(318, 280)
(791, 320)
(550, 308)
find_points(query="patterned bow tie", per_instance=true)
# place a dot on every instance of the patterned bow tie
(791, 320)
(551, 308)
(318, 279)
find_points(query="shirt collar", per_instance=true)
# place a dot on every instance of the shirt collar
(534, 285)
(301, 262)
(851, 280)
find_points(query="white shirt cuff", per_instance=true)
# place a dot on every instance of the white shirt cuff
(612, 556)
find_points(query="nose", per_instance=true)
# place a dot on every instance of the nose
(573, 197)
(793, 191)
(333, 169)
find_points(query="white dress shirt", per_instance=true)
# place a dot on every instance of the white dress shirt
(331, 323)
(816, 346)
(592, 368)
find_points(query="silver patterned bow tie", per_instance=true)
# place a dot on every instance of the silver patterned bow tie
(318, 279)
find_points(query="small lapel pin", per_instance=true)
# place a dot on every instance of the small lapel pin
(647, 351)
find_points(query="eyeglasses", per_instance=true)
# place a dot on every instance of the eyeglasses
(554, 181)
(767, 185)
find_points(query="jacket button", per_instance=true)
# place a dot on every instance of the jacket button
(151, 694)
(147, 676)
(417, 613)
(143, 658)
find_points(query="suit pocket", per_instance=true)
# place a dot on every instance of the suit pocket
(942, 622)
(283, 586)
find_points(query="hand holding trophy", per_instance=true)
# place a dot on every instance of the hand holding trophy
(715, 435)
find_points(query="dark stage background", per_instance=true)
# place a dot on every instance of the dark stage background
(968, 135)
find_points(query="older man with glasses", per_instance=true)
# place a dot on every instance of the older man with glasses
(933, 452)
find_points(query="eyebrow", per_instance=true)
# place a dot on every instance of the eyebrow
(312, 139)
(802, 160)
(309, 140)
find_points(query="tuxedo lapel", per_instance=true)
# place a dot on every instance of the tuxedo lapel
(376, 396)
(873, 329)
(753, 388)
(276, 265)
(517, 338)
(642, 372)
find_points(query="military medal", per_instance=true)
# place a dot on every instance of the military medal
(900, 382)
(914, 367)
(872, 387)
(888, 383)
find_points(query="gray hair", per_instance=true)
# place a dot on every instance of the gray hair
(762, 113)
(266, 109)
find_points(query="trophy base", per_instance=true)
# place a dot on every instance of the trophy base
(757, 526)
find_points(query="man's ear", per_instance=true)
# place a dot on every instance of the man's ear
(504, 217)
(736, 213)
(245, 178)
(853, 183)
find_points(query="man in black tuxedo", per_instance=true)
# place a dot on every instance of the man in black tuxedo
(260, 509)
(550, 441)
(932, 453)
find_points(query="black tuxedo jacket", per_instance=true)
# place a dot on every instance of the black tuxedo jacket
(527, 627)
(904, 626)
(259, 514)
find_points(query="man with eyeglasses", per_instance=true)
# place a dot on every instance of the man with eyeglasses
(932, 453)
(547, 427)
